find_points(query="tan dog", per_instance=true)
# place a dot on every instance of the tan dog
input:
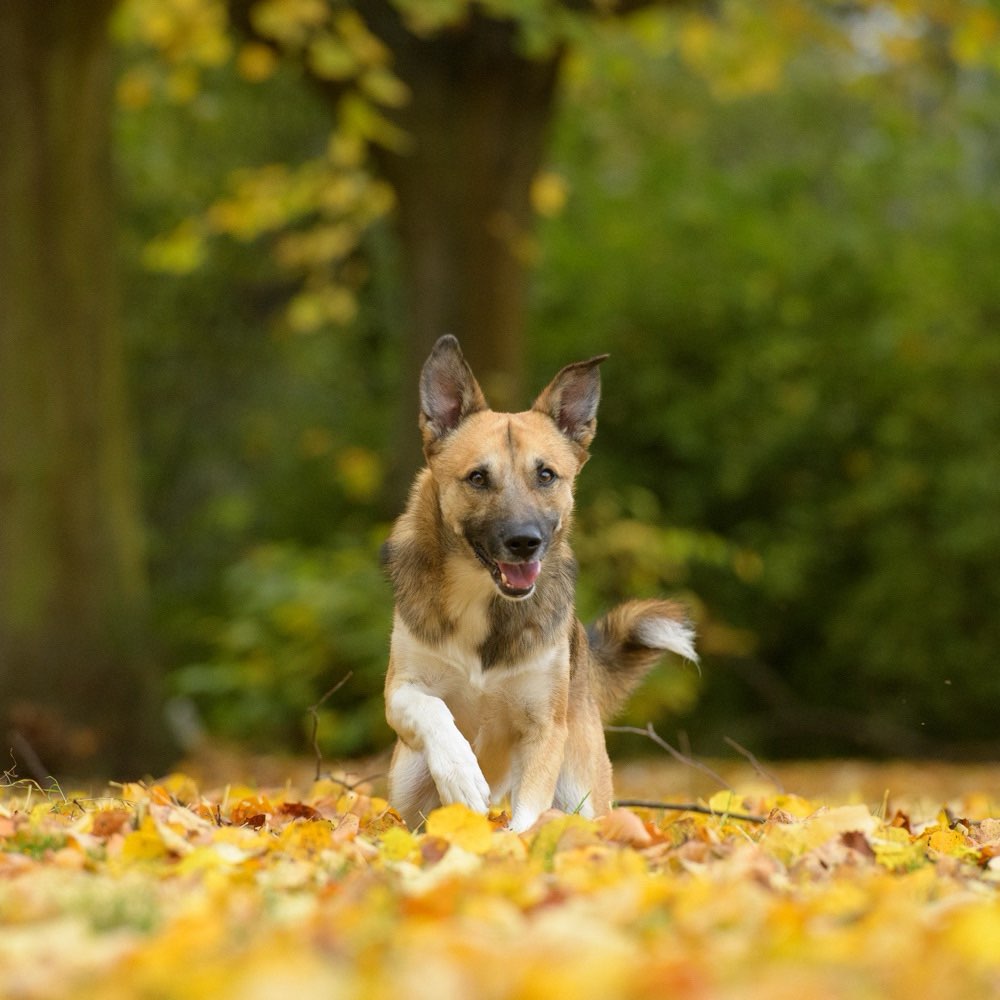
(493, 686)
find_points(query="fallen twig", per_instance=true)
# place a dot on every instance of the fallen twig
(688, 807)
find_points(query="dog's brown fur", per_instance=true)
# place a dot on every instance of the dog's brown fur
(493, 686)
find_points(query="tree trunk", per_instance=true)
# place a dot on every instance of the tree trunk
(477, 124)
(76, 692)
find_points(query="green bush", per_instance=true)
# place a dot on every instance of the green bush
(800, 296)
(294, 623)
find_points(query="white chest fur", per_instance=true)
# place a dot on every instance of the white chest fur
(508, 697)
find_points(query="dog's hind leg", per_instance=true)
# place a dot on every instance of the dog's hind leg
(412, 791)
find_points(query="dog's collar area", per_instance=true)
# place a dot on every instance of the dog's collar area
(514, 580)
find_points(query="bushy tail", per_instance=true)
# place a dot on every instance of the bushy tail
(627, 642)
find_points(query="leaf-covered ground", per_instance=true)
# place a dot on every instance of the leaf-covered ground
(174, 890)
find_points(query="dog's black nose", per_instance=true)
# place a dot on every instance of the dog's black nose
(523, 544)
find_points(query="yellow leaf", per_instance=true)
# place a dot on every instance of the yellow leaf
(181, 787)
(288, 21)
(183, 84)
(384, 87)
(307, 837)
(212, 858)
(359, 473)
(144, 844)
(974, 931)
(368, 48)
(975, 35)
(950, 842)
(178, 252)
(562, 833)
(398, 844)
(895, 849)
(330, 59)
(256, 62)
(549, 193)
(135, 89)
(461, 826)
(789, 841)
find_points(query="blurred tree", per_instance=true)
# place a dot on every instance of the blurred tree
(467, 110)
(802, 308)
(451, 104)
(76, 688)
(774, 237)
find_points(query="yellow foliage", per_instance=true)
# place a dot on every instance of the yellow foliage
(458, 825)
(976, 38)
(289, 21)
(144, 844)
(330, 59)
(179, 251)
(549, 193)
(309, 310)
(256, 62)
(165, 890)
(135, 88)
(359, 472)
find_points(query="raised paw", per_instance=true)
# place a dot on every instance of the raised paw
(458, 777)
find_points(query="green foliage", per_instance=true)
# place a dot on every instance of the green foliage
(798, 291)
(789, 248)
(294, 623)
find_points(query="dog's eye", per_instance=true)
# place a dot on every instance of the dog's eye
(546, 476)
(479, 478)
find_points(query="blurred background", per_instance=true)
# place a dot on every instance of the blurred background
(232, 230)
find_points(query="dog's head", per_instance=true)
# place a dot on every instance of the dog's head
(505, 480)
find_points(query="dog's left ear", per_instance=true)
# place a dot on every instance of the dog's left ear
(449, 391)
(571, 399)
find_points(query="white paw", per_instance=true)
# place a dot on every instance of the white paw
(523, 819)
(458, 777)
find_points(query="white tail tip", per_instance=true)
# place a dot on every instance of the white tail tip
(668, 633)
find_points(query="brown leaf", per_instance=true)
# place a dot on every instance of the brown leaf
(777, 815)
(109, 821)
(855, 840)
(622, 826)
(433, 849)
(902, 820)
(298, 810)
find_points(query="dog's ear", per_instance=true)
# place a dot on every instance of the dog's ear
(571, 399)
(449, 391)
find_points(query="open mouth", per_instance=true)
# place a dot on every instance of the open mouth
(515, 580)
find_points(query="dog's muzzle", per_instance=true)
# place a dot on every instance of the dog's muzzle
(517, 564)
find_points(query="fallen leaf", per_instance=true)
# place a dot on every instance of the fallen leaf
(459, 825)
(623, 827)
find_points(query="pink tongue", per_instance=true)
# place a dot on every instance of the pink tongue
(520, 576)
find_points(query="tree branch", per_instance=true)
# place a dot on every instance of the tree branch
(314, 712)
(755, 763)
(652, 734)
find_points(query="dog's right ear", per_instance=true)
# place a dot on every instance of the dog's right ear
(449, 391)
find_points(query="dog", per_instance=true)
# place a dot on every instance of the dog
(494, 688)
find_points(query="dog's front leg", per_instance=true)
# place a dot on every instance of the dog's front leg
(537, 762)
(425, 724)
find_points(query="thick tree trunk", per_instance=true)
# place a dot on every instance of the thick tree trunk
(76, 693)
(477, 124)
